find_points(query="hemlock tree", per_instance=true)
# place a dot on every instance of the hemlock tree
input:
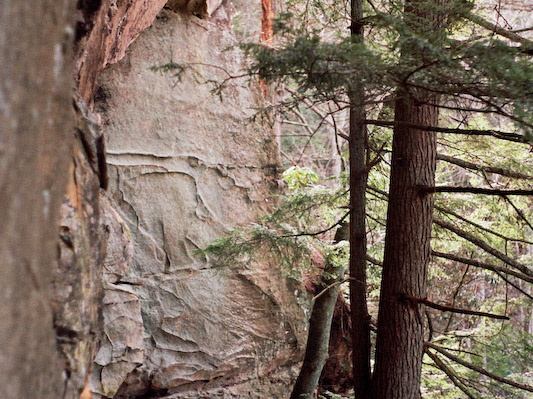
(399, 345)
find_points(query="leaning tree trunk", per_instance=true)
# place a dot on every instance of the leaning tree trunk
(316, 351)
(399, 342)
(36, 122)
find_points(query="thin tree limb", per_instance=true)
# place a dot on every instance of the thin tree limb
(454, 378)
(478, 369)
(528, 44)
(445, 308)
(483, 245)
(474, 190)
(483, 168)
(518, 138)
(478, 226)
(481, 265)
(317, 233)
(515, 286)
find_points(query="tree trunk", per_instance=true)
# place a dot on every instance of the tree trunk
(36, 122)
(358, 179)
(399, 345)
(316, 351)
(407, 254)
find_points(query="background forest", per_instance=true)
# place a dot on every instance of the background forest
(349, 77)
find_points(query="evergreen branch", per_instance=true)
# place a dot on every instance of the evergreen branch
(518, 138)
(451, 374)
(515, 286)
(478, 369)
(513, 36)
(483, 245)
(317, 233)
(473, 190)
(478, 226)
(494, 268)
(446, 308)
(488, 169)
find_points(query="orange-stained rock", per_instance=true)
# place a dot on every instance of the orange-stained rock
(113, 27)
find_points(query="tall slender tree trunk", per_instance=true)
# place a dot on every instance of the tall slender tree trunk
(399, 343)
(358, 180)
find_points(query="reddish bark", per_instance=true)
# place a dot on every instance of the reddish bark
(407, 253)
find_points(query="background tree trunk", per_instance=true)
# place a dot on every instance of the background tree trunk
(358, 179)
(316, 351)
(36, 122)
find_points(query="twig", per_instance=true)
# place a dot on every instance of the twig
(482, 265)
(483, 168)
(454, 378)
(483, 245)
(478, 226)
(316, 233)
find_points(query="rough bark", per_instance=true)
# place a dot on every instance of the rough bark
(399, 345)
(407, 254)
(316, 351)
(36, 122)
(358, 179)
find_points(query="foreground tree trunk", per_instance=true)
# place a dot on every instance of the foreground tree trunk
(407, 254)
(358, 180)
(399, 345)
(36, 122)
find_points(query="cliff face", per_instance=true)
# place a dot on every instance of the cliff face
(137, 313)
(184, 167)
(102, 293)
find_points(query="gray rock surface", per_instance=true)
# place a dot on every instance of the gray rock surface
(184, 166)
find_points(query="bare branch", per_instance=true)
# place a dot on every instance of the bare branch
(499, 30)
(483, 168)
(445, 308)
(478, 226)
(483, 245)
(518, 138)
(317, 233)
(478, 369)
(454, 378)
(486, 266)
(474, 190)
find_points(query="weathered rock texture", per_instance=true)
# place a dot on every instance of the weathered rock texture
(105, 30)
(112, 301)
(36, 123)
(185, 166)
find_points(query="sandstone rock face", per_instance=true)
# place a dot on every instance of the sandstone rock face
(184, 166)
(105, 30)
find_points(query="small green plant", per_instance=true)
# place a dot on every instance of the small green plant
(301, 225)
